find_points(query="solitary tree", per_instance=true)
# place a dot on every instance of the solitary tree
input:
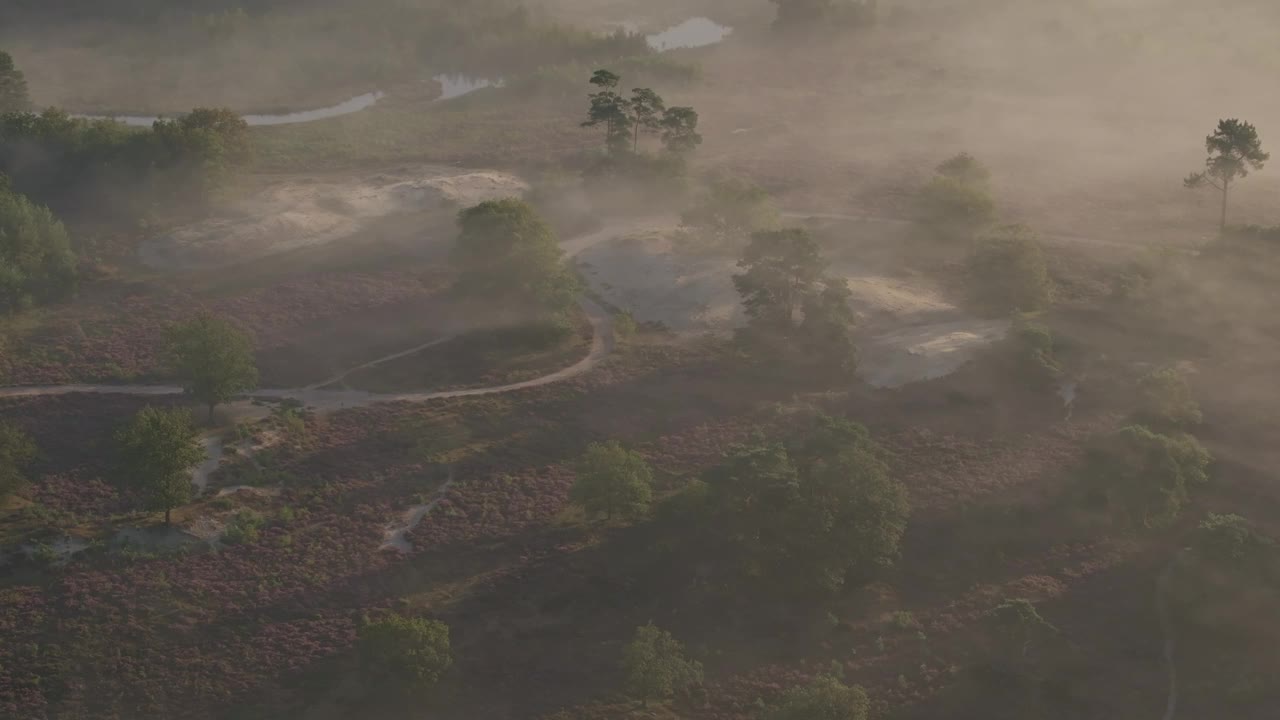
(957, 202)
(611, 109)
(612, 478)
(814, 512)
(1008, 272)
(506, 251)
(13, 86)
(793, 307)
(680, 130)
(16, 452)
(213, 358)
(412, 651)
(656, 667)
(36, 261)
(826, 698)
(158, 449)
(1234, 149)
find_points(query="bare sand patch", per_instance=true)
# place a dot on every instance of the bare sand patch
(295, 213)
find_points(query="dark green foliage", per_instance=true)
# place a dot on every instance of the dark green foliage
(1146, 476)
(813, 513)
(656, 667)
(505, 251)
(610, 109)
(1231, 539)
(826, 698)
(956, 204)
(680, 130)
(624, 118)
(612, 479)
(36, 262)
(1008, 273)
(796, 312)
(726, 214)
(158, 449)
(411, 652)
(1234, 149)
(1166, 399)
(244, 527)
(107, 169)
(212, 357)
(1019, 630)
(1033, 351)
(16, 452)
(13, 86)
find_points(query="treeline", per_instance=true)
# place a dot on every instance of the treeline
(36, 261)
(103, 169)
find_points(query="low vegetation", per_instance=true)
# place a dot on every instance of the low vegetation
(827, 697)
(612, 479)
(16, 453)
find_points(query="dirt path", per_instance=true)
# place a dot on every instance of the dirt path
(602, 343)
(1166, 629)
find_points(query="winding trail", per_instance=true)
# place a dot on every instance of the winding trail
(602, 343)
(1166, 630)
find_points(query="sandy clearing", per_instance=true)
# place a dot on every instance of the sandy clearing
(297, 213)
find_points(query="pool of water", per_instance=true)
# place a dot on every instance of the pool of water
(692, 33)
(453, 86)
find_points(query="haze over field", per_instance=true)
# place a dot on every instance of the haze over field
(585, 360)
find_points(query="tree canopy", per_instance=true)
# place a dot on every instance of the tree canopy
(1008, 272)
(212, 357)
(414, 652)
(103, 168)
(1146, 476)
(826, 698)
(956, 204)
(655, 665)
(795, 310)
(158, 450)
(506, 251)
(1234, 149)
(13, 86)
(625, 117)
(612, 479)
(16, 452)
(36, 261)
(814, 512)
(1166, 399)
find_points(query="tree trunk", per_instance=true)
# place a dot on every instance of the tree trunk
(166, 516)
(635, 147)
(1222, 225)
(211, 407)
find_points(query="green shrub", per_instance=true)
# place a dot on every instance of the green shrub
(1166, 399)
(244, 527)
(1008, 272)
(826, 698)
(656, 667)
(1145, 475)
(413, 652)
(1034, 351)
